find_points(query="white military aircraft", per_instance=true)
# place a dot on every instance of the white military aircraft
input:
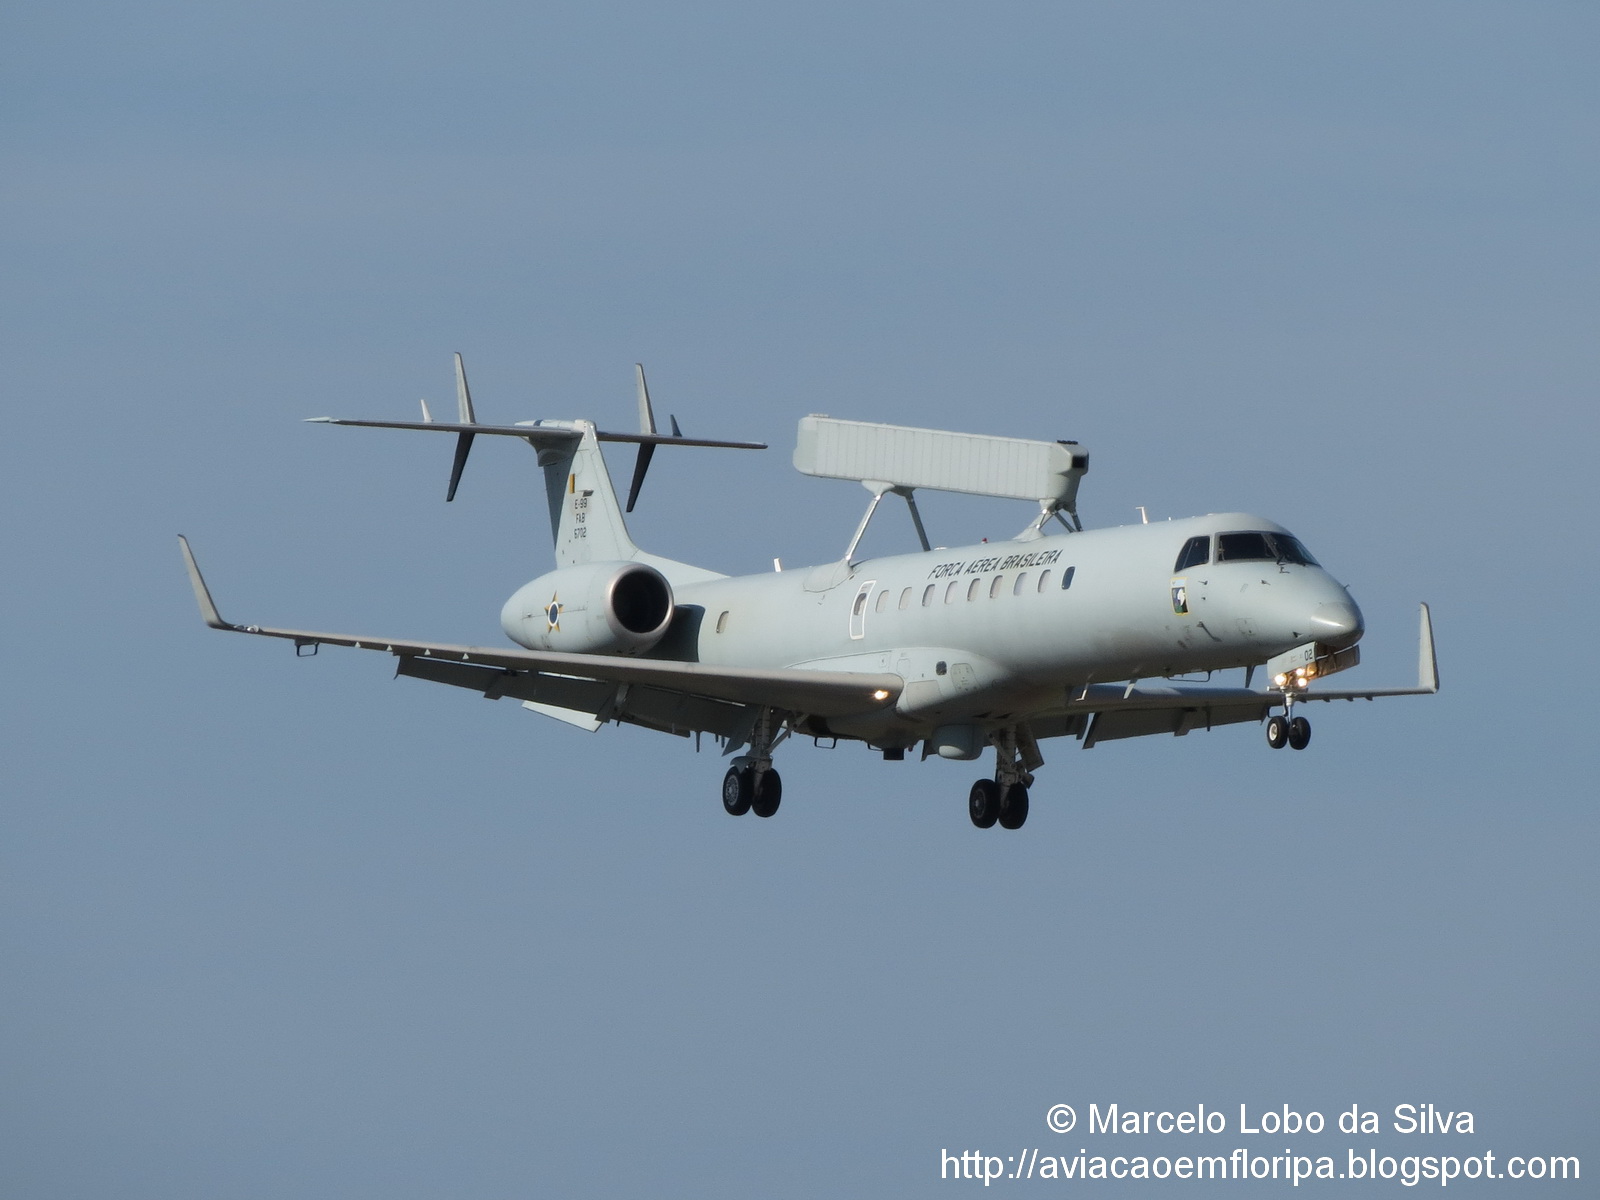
(1098, 634)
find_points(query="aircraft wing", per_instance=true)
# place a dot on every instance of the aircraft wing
(675, 694)
(1104, 712)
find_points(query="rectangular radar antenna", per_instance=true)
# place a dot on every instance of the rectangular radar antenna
(902, 458)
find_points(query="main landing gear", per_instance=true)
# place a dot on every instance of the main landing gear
(1003, 800)
(989, 803)
(751, 784)
(743, 791)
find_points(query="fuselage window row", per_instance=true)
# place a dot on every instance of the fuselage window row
(952, 591)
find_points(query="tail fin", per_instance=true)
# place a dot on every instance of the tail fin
(585, 519)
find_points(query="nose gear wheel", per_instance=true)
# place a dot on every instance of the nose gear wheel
(1286, 729)
(1299, 733)
(1278, 733)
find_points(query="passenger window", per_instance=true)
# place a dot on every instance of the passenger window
(950, 592)
(1044, 581)
(1244, 547)
(1016, 589)
(883, 601)
(927, 594)
(859, 607)
(1066, 577)
(722, 621)
(905, 599)
(994, 587)
(972, 589)
(1196, 552)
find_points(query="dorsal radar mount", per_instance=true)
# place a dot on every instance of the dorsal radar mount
(899, 459)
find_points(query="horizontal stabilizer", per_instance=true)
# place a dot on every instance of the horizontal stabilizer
(542, 432)
(544, 435)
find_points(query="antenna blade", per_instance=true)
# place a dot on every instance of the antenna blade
(427, 416)
(463, 396)
(647, 417)
(676, 432)
(463, 448)
(641, 464)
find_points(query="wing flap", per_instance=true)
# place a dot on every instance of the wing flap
(652, 707)
(1176, 720)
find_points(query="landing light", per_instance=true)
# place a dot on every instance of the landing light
(880, 694)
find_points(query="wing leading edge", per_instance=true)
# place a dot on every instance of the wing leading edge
(538, 675)
(1122, 711)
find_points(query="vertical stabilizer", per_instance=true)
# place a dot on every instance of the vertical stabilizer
(585, 518)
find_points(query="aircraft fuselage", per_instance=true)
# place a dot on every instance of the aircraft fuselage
(979, 631)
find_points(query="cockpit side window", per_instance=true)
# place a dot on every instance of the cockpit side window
(1196, 552)
(1262, 547)
(1291, 550)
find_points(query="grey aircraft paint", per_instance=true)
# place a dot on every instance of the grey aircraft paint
(1098, 634)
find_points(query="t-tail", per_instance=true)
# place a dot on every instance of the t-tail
(586, 519)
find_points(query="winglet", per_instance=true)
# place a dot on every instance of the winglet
(202, 594)
(1427, 663)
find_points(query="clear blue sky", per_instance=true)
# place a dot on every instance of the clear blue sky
(277, 928)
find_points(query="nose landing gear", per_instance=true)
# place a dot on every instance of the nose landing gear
(1288, 730)
(1277, 733)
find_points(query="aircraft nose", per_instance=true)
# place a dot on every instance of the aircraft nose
(1338, 623)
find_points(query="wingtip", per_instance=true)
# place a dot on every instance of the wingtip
(1427, 659)
(202, 594)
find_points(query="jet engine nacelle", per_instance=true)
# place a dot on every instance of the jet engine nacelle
(592, 608)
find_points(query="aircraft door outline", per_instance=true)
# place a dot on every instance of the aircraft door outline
(858, 610)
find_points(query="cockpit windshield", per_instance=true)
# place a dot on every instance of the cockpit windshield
(1263, 547)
